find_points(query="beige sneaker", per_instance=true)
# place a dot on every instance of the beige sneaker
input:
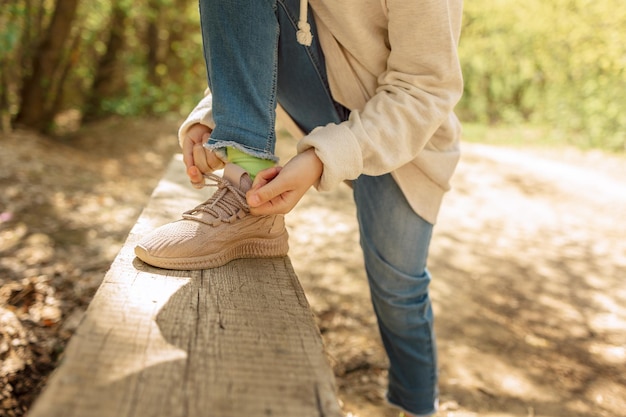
(217, 231)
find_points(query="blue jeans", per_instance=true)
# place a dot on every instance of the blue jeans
(253, 61)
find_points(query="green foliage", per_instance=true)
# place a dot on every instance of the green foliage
(556, 63)
(11, 23)
(10, 34)
(175, 81)
(172, 83)
(154, 72)
(560, 63)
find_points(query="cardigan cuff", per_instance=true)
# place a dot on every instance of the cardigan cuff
(339, 151)
(202, 113)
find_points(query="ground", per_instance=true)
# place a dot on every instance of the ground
(527, 261)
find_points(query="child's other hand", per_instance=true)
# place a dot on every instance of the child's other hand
(277, 190)
(198, 159)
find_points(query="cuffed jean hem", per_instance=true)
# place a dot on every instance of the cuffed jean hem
(218, 147)
(420, 413)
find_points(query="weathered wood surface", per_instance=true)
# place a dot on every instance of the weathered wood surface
(239, 340)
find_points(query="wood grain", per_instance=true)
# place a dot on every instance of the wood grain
(239, 340)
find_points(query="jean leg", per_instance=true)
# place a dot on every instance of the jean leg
(395, 244)
(394, 239)
(240, 40)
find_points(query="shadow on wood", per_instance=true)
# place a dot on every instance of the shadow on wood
(230, 341)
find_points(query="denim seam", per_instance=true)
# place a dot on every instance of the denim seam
(271, 140)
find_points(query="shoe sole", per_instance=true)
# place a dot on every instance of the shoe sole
(250, 248)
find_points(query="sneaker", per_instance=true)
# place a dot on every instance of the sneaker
(217, 231)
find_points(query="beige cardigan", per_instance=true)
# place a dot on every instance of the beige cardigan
(394, 64)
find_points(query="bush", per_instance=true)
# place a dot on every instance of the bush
(560, 63)
(125, 57)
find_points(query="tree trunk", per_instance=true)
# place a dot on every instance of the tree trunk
(152, 41)
(36, 95)
(56, 95)
(5, 125)
(108, 81)
(178, 32)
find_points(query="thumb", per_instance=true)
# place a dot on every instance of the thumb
(264, 176)
(265, 193)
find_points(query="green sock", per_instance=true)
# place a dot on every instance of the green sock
(252, 164)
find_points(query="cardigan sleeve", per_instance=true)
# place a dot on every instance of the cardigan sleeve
(202, 113)
(414, 96)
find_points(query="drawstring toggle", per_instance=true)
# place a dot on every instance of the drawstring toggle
(304, 35)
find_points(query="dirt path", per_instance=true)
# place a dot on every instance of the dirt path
(527, 260)
(532, 309)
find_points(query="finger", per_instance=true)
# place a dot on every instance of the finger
(200, 158)
(188, 154)
(206, 160)
(213, 161)
(278, 205)
(195, 177)
(267, 192)
(265, 176)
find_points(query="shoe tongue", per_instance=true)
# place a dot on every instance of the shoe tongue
(238, 177)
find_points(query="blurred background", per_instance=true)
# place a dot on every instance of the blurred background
(91, 59)
(557, 65)
(528, 256)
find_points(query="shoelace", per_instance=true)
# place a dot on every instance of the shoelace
(226, 203)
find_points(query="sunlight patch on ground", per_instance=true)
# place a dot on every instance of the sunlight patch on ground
(608, 353)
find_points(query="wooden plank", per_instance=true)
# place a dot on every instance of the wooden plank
(231, 341)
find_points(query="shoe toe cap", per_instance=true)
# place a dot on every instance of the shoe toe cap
(171, 240)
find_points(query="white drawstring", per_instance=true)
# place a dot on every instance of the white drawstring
(304, 35)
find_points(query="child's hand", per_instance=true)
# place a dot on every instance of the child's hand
(198, 159)
(277, 190)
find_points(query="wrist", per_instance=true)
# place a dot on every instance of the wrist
(317, 166)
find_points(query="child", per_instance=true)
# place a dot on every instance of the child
(372, 84)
